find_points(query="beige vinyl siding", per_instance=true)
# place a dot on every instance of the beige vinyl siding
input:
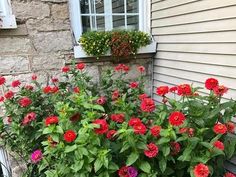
(196, 40)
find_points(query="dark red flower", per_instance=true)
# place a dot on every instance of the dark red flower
(211, 83)
(2, 80)
(219, 145)
(54, 79)
(119, 118)
(75, 117)
(191, 132)
(184, 90)
(111, 134)
(201, 170)
(103, 126)
(115, 95)
(51, 120)
(47, 89)
(175, 148)
(54, 89)
(65, 69)
(76, 90)
(1, 98)
(142, 96)
(139, 129)
(122, 67)
(230, 126)
(147, 105)
(141, 69)
(15, 83)
(155, 130)
(228, 174)
(134, 121)
(25, 101)
(220, 129)
(9, 94)
(34, 77)
(80, 66)
(69, 136)
(183, 130)
(151, 151)
(162, 90)
(220, 90)
(29, 87)
(173, 89)
(176, 118)
(123, 172)
(101, 100)
(9, 120)
(133, 85)
(29, 118)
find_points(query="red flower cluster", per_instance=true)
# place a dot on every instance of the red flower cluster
(230, 127)
(228, 174)
(123, 171)
(50, 89)
(115, 94)
(155, 130)
(51, 120)
(184, 90)
(147, 105)
(220, 129)
(133, 85)
(2, 80)
(176, 118)
(220, 90)
(175, 148)
(151, 151)
(122, 67)
(76, 89)
(173, 89)
(69, 136)
(103, 126)
(25, 101)
(219, 145)
(1, 99)
(142, 96)
(29, 118)
(211, 83)
(80, 66)
(111, 134)
(141, 69)
(15, 83)
(119, 118)
(9, 95)
(162, 90)
(138, 126)
(65, 69)
(34, 77)
(102, 100)
(201, 170)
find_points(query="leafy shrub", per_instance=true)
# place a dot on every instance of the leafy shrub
(76, 128)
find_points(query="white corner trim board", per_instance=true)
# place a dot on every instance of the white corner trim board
(7, 19)
(4, 162)
(80, 53)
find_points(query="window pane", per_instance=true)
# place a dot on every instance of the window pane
(99, 4)
(133, 22)
(118, 6)
(100, 23)
(118, 22)
(86, 23)
(132, 6)
(84, 6)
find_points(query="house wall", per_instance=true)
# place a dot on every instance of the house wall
(196, 40)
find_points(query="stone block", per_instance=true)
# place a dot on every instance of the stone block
(55, 1)
(93, 71)
(13, 64)
(15, 45)
(60, 11)
(52, 41)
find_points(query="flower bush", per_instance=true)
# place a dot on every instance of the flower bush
(73, 127)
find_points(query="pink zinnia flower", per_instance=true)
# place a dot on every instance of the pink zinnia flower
(36, 156)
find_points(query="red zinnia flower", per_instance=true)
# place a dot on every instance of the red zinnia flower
(151, 151)
(69, 136)
(75, 117)
(29, 87)
(25, 101)
(65, 69)
(184, 90)
(9, 94)
(230, 126)
(155, 130)
(115, 95)
(134, 121)
(211, 83)
(219, 145)
(133, 85)
(101, 100)
(173, 89)
(228, 174)
(103, 126)
(47, 89)
(162, 90)
(142, 96)
(191, 132)
(1, 98)
(29, 118)
(220, 129)
(54, 89)
(147, 105)
(51, 120)
(80, 66)
(123, 172)
(126, 68)
(111, 134)
(141, 69)
(76, 90)
(139, 129)
(119, 118)
(176, 118)
(220, 90)
(54, 79)
(201, 170)
(15, 83)
(183, 130)
(175, 148)
(34, 77)
(2, 80)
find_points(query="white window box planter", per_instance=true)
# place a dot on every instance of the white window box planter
(80, 53)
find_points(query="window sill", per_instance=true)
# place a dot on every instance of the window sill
(8, 22)
(81, 54)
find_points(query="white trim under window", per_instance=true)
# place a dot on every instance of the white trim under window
(7, 19)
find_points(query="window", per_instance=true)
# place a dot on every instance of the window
(104, 15)
(7, 19)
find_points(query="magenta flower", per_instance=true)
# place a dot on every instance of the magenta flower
(132, 172)
(36, 156)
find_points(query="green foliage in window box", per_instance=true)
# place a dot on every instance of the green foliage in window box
(120, 43)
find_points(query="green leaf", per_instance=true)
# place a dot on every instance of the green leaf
(162, 164)
(163, 141)
(97, 165)
(133, 157)
(59, 129)
(70, 148)
(166, 150)
(145, 167)
(113, 166)
(47, 131)
(98, 107)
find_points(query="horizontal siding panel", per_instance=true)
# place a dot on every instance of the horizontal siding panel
(210, 15)
(222, 25)
(194, 7)
(205, 48)
(211, 59)
(230, 167)
(170, 4)
(216, 37)
(199, 77)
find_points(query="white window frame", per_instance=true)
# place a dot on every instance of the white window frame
(7, 19)
(76, 24)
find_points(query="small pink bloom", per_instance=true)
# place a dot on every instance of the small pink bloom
(36, 156)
